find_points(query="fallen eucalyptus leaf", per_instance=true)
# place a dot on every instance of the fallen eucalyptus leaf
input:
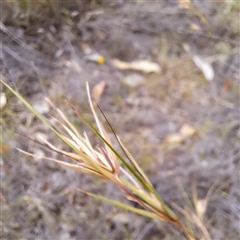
(174, 138)
(187, 130)
(98, 90)
(205, 67)
(194, 27)
(141, 65)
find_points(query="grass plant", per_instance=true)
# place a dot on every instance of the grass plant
(106, 163)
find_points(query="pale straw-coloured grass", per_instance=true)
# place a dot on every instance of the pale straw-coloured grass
(106, 163)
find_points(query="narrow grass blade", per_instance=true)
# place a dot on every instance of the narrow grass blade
(115, 152)
(104, 172)
(123, 206)
(134, 163)
(80, 144)
(30, 107)
(158, 205)
(146, 181)
(70, 155)
(126, 152)
(78, 168)
(144, 196)
(103, 133)
(165, 207)
(43, 119)
(67, 121)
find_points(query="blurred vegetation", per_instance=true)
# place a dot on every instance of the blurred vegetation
(24, 13)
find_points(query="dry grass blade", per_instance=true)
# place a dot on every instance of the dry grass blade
(147, 184)
(144, 195)
(104, 134)
(193, 218)
(114, 151)
(66, 120)
(104, 163)
(141, 176)
(134, 163)
(75, 167)
(123, 206)
(98, 90)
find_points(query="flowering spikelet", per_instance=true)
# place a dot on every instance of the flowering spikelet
(103, 162)
(98, 162)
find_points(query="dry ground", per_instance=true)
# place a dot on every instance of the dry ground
(47, 58)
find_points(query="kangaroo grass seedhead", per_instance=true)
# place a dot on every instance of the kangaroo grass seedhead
(104, 162)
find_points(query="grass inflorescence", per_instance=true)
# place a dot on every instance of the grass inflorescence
(105, 162)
